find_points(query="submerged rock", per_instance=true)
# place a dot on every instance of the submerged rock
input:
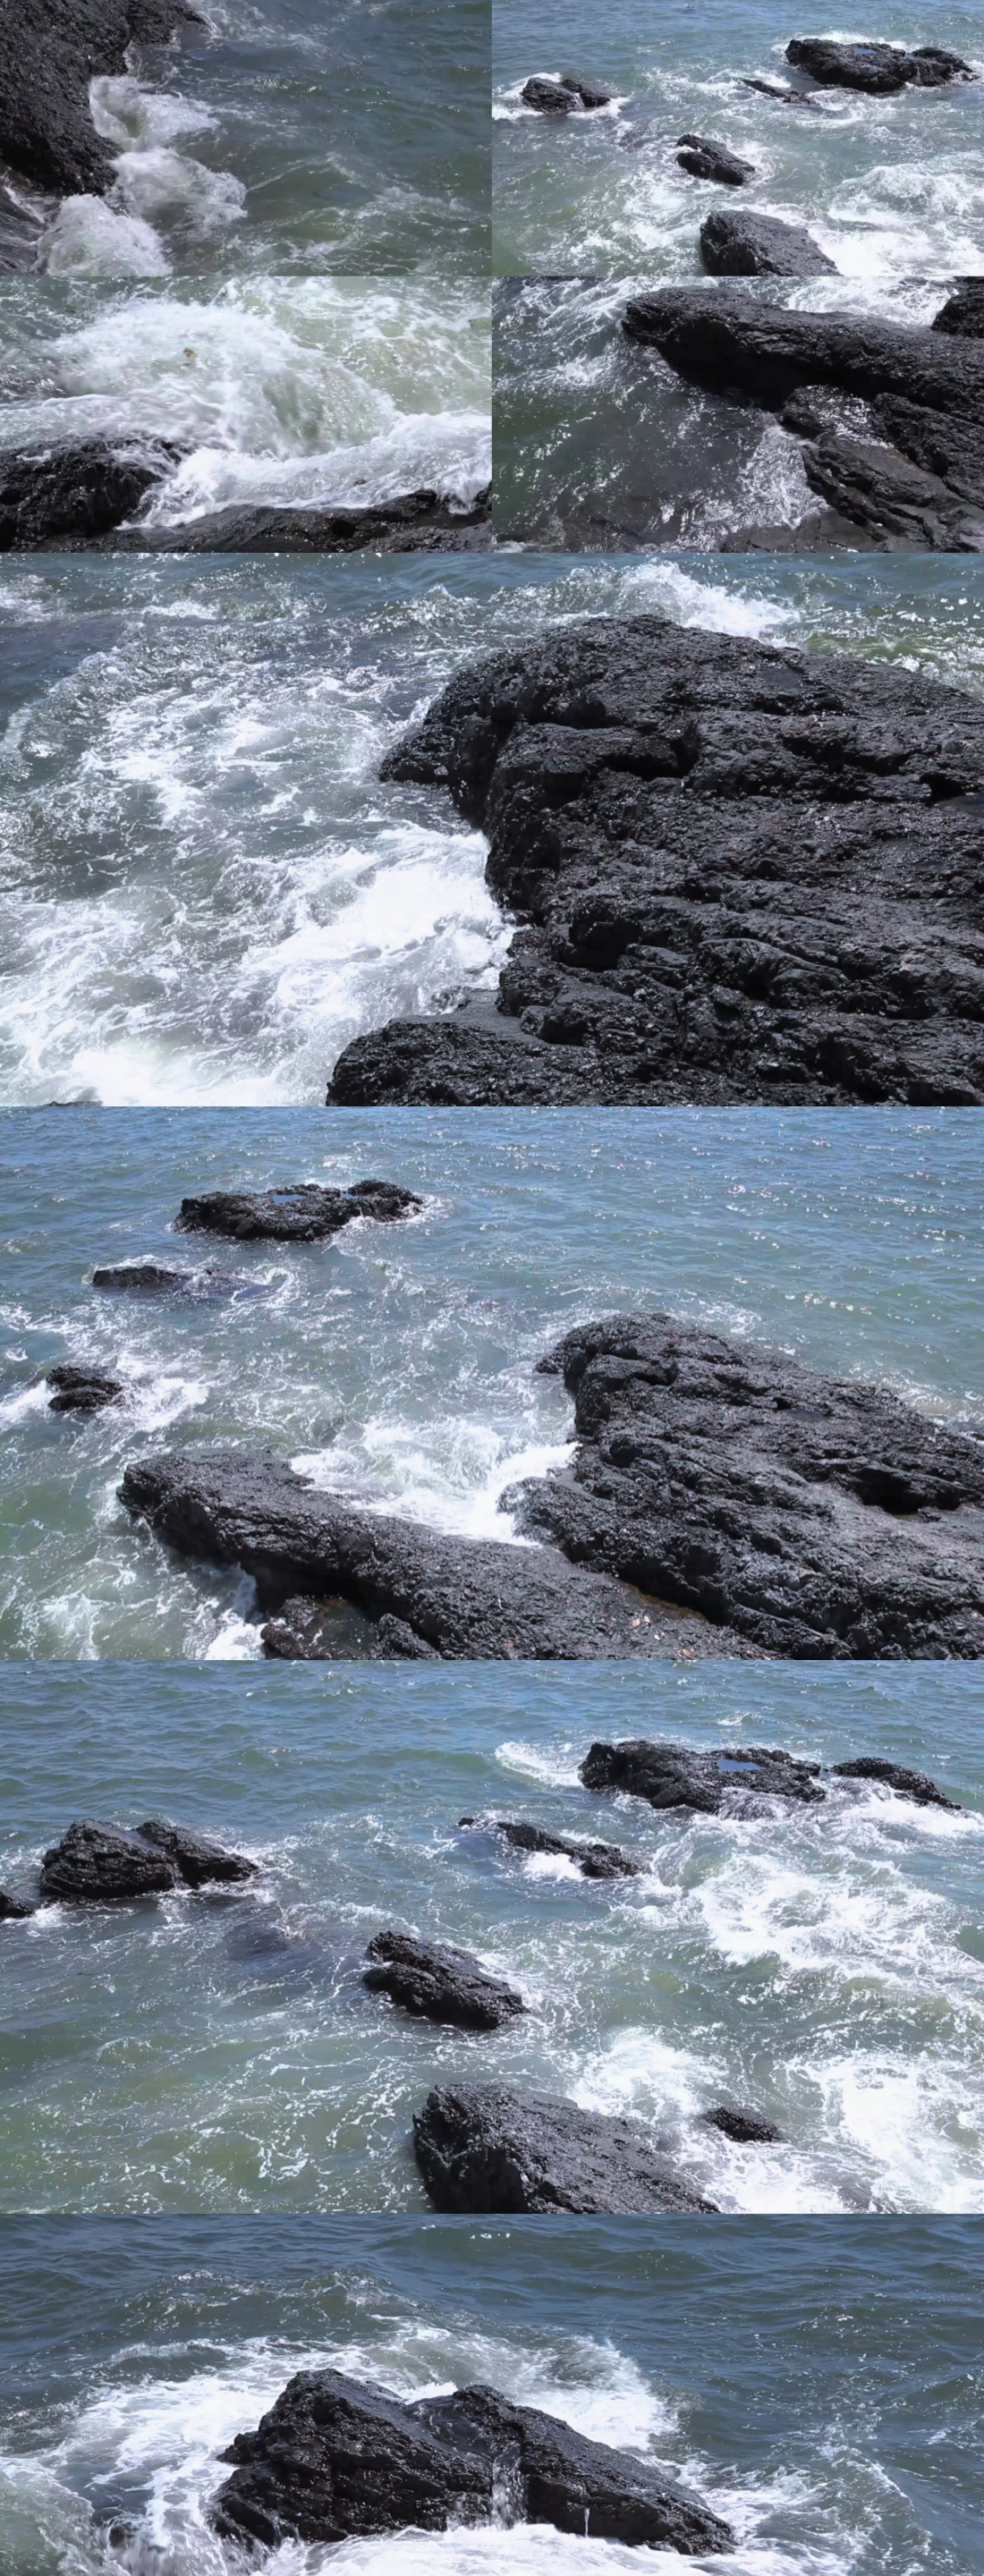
(334, 2460)
(745, 2128)
(821, 1517)
(670, 1775)
(565, 97)
(439, 1984)
(301, 1214)
(483, 2149)
(881, 70)
(13, 1909)
(742, 874)
(705, 159)
(894, 1775)
(81, 1390)
(197, 1860)
(465, 1598)
(747, 245)
(416, 522)
(50, 50)
(77, 487)
(594, 1860)
(101, 1865)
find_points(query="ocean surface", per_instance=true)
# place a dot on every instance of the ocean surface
(600, 444)
(205, 890)
(218, 2051)
(890, 187)
(818, 2387)
(282, 135)
(279, 390)
(397, 1364)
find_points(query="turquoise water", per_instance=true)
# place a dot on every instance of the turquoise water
(819, 2387)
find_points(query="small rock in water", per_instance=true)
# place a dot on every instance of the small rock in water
(102, 1865)
(81, 1390)
(439, 1984)
(79, 488)
(567, 97)
(197, 1860)
(747, 245)
(485, 2149)
(880, 70)
(745, 2128)
(13, 1909)
(893, 1775)
(302, 1213)
(594, 1860)
(153, 1279)
(782, 97)
(708, 160)
(669, 1775)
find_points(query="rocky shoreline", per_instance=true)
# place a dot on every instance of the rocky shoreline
(50, 50)
(739, 875)
(83, 494)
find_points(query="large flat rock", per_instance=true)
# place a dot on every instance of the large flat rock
(334, 2460)
(483, 2148)
(742, 875)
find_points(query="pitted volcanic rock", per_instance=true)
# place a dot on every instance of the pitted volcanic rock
(484, 2148)
(419, 522)
(439, 1984)
(741, 874)
(75, 488)
(334, 2460)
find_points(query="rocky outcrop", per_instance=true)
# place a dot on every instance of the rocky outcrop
(320, 1632)
(894, 1775)
(782, 97)
(567, 97)
(705, 159)
(962, 316)
(420, 522)
(154, 1279)
(439, 1984)
(881, 70)
(81, 1390)
(747, 245)
(741, 875)
(670, 1775)
(13, 1909)
(594, 1860)
(334, 2460)
(198, 1861)
(731, 344)
(820, 1517)
(744, 2128)
(466, 1598)
(50, 50)
(78, 487)
(484, 2149)
(100, 1864)
(303, 1213)
(892, 498)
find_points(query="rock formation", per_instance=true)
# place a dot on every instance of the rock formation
(881, 70)
(567, 97)
(302, 1213)
(594, 1860)
(50, 50)
(100, 1864)
(748, 245)
(705, 159)
(81, 1390)
(439, 1984)
(744, 2128)
(75, 488)
(419, 522)
(483, 2148)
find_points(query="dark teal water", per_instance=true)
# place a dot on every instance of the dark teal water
(821, 2387)
(218, 2051)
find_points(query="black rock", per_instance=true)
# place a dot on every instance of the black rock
(415, 523)
(746, 2128)
(908, 1784)
(50, 50)
(669, 1775)
(13, 1909)
(81, 1390)
(708, 160)
(732, 344)
(742, 874)
(821, 1517)
(782, 97)
(197, 1860)
(439, 1984)
(76, 488)
(565, 97)
(594, 1860)
(484, 2149)
(881, 70)
(301, 1214)
(888, 495)
(333, 2460)
(747, 245)
(154, 1279)
(950, 448)
(962, 316)
(100, 1865)
(465, 1598)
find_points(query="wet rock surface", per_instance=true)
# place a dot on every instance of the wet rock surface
(880, 70)
(155, 1279)
(819, 1517)
(439, 1984)
(464, 1598)
(416, 522)
(81, 1390)
(670, 1775)
(567, 97)
(741, 875)
(962, 316)
(484, 2149)
(594, 1860)
(13, 1909)
(747, 245)
(705, 159)
(76, 488)
(303, 1213)
(198, 1860)
(334, 2459)
(894, 1775)
(49, 52)
(102, 1865)
(744, 2128)
(892, 498)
